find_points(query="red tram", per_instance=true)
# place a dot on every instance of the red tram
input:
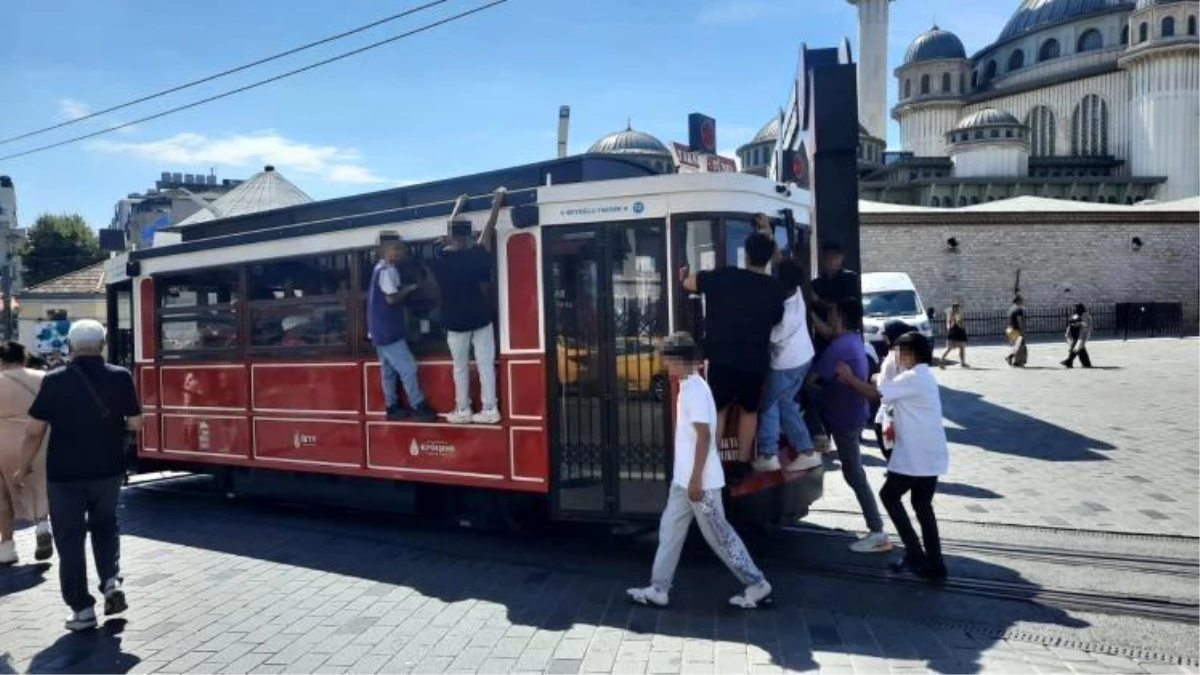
(247, 340)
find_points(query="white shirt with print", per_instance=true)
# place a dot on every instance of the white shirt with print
(921, 448)
(696, 406)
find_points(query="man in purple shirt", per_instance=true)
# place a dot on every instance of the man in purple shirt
(845, 412)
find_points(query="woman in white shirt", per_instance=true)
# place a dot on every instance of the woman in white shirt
(920, 455)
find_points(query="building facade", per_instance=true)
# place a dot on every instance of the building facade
(11, 239)
(174, 197)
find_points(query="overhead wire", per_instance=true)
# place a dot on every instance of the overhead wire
(225, 73)
(254, 85)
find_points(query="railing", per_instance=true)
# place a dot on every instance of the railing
(1121, 320)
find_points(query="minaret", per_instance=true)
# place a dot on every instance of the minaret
(872, 65)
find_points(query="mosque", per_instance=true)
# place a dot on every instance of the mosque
(1084, 100)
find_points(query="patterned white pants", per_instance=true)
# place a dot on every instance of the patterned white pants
(709, 515)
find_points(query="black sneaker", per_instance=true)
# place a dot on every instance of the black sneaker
(423, 413)
(114, 598)
(397, 414)
(909, 563)
(45, 546)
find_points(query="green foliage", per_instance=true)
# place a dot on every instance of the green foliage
(57, 245)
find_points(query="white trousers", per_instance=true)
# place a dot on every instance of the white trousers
(484, 342)
(709, 515)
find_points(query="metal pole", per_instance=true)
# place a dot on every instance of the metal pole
(6, 290)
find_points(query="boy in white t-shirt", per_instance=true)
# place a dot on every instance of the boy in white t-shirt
(920, 454)
(696, 488)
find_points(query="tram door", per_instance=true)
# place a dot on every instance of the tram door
(606, 297)
(120, 323)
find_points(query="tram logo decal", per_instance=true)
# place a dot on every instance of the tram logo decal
(638, 207)
(300, 440)
(430, 448)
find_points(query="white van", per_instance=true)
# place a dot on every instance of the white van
(887, 296)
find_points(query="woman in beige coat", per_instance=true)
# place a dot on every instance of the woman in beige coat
(18, 387)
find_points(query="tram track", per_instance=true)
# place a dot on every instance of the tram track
(1122, 604)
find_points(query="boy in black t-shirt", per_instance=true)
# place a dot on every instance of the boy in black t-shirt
(742, 306)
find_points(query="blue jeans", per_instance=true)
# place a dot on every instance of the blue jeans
(397, 362)
(779, 407)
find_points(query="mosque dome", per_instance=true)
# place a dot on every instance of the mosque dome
(768, 133)
(935, 43)
(988, 117)
(1147, 4)
(1034, 14)
(628, 142)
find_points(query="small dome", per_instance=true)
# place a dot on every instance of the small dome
(988, 117)
(768, 133)
(1034, 14)
(629, 141)
(935, 43)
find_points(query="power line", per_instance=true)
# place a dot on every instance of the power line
(224, 73)
(260, 83)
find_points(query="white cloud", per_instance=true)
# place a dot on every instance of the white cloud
(725, 12)
(70, 109)
(331, 163)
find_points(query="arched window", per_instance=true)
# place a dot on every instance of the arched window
(1041, 125)
(1143, 31)
(974, 200)
(1090, 41)
(935, 202)
(1191, 25)
(908, 89)
(974, 79)
(1016, 60)
(962, 201)
(925, 83)
(1125, 34)
(989, 71)
(962, 83)
(1089, 127)
(1049, 50)
(1168, 26)
(946, 83)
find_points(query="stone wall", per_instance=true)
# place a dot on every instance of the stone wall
(1062, 258)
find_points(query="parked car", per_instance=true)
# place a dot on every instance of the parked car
(887, 296)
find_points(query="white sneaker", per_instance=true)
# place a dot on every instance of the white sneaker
(459, 417)
(487, 416)
(648, 596)
(8, 553)
(84, 619)
(753, 596)
(114, 597)
(766, 464)
(804, 462)
(875, 542)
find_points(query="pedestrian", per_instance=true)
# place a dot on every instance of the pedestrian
(833, 284)
(742, 308)
(920, 455)
(18, 388)
(1079, 329)
(846, 412)
(1016, 333)
(387, 327)
(882, 415)
(87, 407)
(695, 492)
(956, 336)
(463, 269)
(791, 358)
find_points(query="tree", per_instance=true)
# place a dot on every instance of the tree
(58, 245)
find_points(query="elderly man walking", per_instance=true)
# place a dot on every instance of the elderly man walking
(87, 405)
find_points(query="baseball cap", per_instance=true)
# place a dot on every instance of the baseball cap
(680, 345)
(86, 332)
(894, 329)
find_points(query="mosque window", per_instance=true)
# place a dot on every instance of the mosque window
(935, 202)
(975, 200)
(1016, 60)
(946, 86)
(1125, 34)
(1168, 26)
(908, 89)
(1042, 131)
(1090, 41)
(995, 133)
(1143, 31)
(962, 201)
(925, 83)
(989, 71)
(1191, 25)
(1089, 127)
(1049, 50)
(962, 83)
(974, 79)
(1008, 133)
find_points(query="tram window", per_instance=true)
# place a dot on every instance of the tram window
(198, 311)
(736, 232)
(199, 288)
(300, 277)
(206, 330)
(303, 324)
(695, 249)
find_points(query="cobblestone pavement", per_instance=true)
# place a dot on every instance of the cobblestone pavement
(1112, 448)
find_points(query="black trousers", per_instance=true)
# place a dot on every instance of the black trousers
(77, 509)
(922, 488)
(1084, 359)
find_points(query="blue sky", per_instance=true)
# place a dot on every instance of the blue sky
(477, 94)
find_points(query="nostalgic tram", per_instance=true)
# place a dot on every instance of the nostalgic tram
(247, 340)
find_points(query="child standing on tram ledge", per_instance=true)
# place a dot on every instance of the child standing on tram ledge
(920, 454)
(696, 488)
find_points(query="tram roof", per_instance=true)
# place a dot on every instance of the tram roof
(425, 200)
